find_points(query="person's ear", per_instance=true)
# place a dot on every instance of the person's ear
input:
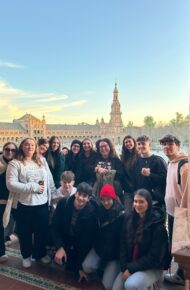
(89, 198)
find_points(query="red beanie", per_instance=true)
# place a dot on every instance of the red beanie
(108, 191)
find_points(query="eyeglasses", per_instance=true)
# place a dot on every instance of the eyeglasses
(76, 146)
(104, 146)
(10, 150)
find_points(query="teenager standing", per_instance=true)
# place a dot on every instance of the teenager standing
(27, 176)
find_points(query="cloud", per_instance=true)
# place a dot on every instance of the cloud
(52, 98)
(74, 104)
(16, 102)
(51, 108)
(8, 92)
(10, 64)
(9, 111)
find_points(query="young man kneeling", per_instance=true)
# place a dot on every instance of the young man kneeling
(74, 227)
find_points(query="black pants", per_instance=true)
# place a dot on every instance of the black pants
(32, 223)
(2, 241)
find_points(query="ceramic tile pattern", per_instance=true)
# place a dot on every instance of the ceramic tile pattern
(41, 276)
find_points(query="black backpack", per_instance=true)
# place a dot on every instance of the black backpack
(180, 164)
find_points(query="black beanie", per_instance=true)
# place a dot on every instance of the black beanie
(76, 141)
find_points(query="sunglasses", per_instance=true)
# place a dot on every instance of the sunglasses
(10, 150)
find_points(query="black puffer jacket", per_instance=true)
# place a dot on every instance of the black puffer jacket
(107, 239)
(84, 230)
(153, 247)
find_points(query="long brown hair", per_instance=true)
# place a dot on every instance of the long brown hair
(128, 157)
(133, 218)
(110, 144)
(125, 154)
(21, 157)
(49, 157)
(92, 145)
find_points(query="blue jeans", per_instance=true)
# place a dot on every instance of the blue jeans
(91, 264)
(138, 281)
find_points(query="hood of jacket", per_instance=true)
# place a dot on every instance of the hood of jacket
(156, 217)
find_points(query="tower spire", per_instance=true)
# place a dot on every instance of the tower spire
(116, 91)
(116, 123)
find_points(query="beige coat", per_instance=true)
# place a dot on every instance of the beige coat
(176, 195)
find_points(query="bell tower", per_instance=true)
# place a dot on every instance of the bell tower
(116, 123)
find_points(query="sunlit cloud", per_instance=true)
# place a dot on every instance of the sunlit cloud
(16, 102)
(9, 111)
(74, 104)
(7, 91)
(53, 98)
(13, 93)
(50, 108)
(10, 64)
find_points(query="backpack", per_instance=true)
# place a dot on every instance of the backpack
(180, 164)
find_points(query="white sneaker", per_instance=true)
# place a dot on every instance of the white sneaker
(46, 259)
(174, 279)
(3, 258)
(27, 263)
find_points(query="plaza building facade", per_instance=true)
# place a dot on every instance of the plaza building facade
(30, 126)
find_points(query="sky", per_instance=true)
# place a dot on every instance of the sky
(61, 58)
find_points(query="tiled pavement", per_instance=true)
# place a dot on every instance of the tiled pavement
(13, 277)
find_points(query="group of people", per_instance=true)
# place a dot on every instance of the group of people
(103, 213)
